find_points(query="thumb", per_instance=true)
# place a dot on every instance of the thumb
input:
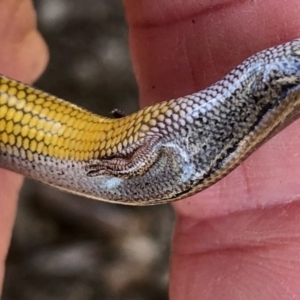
(179, 49)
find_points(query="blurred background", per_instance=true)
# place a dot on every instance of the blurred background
(64, 246)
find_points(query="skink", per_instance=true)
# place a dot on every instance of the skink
(162, 153)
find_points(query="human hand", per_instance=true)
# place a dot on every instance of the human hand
(238, 239)
(23, 56)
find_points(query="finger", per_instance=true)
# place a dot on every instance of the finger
(23, 52)
(178, 49)
(23, 55)
(247, 255)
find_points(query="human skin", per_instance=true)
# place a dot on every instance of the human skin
(23, 56)
(238, 239)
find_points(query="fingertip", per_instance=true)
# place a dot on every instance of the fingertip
(26, 60)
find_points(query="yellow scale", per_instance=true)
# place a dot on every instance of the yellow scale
(41, 123)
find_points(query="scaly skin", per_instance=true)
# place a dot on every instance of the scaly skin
(161, 153)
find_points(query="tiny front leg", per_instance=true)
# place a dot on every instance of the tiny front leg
(132, 165)
(118, 113)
